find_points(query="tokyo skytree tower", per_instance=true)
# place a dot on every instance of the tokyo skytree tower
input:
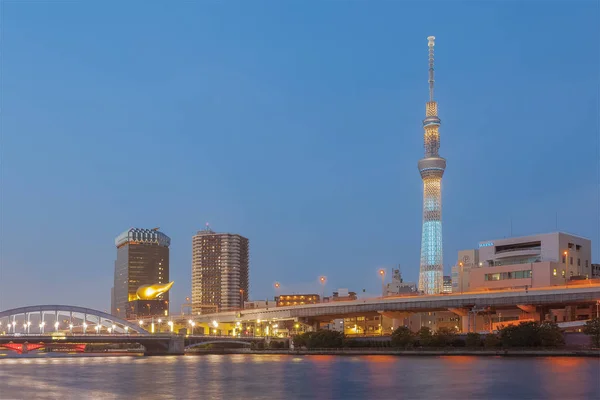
(432, 168)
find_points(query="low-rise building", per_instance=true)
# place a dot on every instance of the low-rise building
(343, 295)
(447, 288)
(524, 262)
(285, 300)
(595, 273)
(398, 286)
(250, 305)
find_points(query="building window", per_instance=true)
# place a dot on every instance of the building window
(564, 259)
(579, 262)
(586, 264)
(571, 260)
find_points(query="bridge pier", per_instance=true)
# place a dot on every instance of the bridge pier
(174, 346)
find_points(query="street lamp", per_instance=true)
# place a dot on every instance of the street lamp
(56, 326)
(84, 327)
(323, 280)
(13, 325)
(42, 324)
(71, 328)
(170, 323)
(126, 330)
(566, 253)
(382, 274)
(114, 328)
(24, 327)
(28, 325)
(159, 322)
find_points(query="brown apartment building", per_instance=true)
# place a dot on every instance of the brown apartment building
(220, 271)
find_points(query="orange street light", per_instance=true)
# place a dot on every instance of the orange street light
(323, 279)
(277, 285)
(382, 274)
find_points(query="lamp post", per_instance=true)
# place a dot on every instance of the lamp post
(71, 329)
(277, 285)
(159, 322)
(84, 327)
(127, 330)
(28, 325)
(323, 281)
(114, 328)
(42, 324)
(170, 323)
(566, 254)
(460, 275)
(382, 274)
(56, 326)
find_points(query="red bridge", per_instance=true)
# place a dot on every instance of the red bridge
(23, 348)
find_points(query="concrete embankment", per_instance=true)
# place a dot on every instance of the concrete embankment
(452, 352)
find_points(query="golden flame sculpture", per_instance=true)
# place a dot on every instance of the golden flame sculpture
(151, 292)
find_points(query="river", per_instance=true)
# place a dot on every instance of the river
(275, 377)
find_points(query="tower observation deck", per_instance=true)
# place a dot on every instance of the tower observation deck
(432, 168)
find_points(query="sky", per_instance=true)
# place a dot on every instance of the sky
(297, 124)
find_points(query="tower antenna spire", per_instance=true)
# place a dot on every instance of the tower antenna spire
(431, 40)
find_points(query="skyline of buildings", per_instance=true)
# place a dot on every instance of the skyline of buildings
(431, 168)
(220, 271)
(220, 261)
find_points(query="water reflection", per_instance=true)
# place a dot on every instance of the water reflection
(300, 377)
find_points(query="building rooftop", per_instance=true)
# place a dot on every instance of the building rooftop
(141, 235)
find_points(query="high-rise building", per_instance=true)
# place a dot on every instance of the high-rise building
(432, 168)
(220, 272)
(141, 275)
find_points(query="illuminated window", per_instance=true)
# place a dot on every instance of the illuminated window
(554, 272)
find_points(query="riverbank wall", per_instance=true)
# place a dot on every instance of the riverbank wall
(416, 353)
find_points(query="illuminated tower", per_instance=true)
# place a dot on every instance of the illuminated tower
(432, 168)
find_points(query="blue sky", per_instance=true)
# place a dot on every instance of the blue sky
(296, 124)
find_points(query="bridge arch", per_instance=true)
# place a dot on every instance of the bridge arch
(85, 315)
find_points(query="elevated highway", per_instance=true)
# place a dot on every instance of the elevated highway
(553, 297)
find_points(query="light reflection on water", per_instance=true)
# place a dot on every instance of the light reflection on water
(300, 377)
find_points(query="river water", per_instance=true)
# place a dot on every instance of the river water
(277, 377)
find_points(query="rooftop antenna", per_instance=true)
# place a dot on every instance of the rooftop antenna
(431, 43)
(207, 227)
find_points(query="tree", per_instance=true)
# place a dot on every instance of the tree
(532, 334)
(473, 339)
(550, 335)
(491, 340)
(402, 337)
(320, 339)
(443, 337)
(424, 336)
(592, 329)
